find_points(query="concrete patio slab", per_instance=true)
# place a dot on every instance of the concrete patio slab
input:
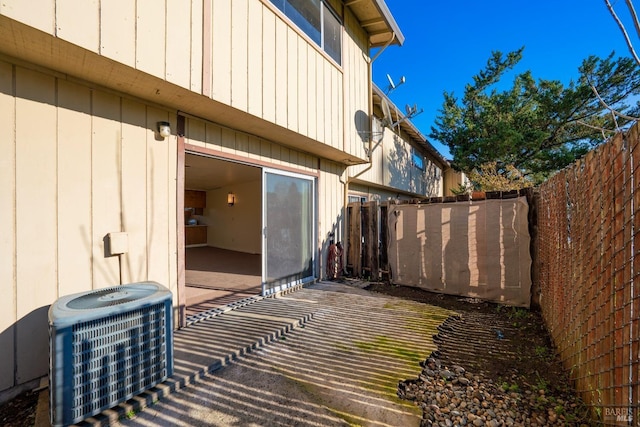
(327, 355)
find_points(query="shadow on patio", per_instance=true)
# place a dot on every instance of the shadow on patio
(336, 356)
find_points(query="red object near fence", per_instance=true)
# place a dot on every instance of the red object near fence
(334, 261)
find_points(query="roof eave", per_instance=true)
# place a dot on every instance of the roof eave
(377, 20)
(391, 22)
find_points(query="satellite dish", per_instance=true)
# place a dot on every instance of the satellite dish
(408, 110)
(412, 111)
(392, 85)
(386, 111)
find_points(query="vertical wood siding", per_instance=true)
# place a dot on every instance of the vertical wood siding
(392, 166)
(260, 152)
(84, 32)
(258, 61)
(178, 61)
(22, 11)
(330, 199)
(35, 227)
(355, 85)
(7, 225)
(198, 45)
(243, 146)
(118, 31)
(74, 190)
(77, 164)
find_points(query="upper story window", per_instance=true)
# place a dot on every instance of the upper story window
(418, 160)
(317, 21)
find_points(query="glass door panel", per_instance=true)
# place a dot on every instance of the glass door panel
(288, 253)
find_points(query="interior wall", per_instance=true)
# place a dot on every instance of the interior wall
(236, 227)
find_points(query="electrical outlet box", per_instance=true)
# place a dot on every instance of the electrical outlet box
(118, 243)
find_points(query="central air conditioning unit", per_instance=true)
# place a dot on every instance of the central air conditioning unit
(106, 346)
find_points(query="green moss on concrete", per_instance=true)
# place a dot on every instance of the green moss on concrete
(422, 319)
(392, 355)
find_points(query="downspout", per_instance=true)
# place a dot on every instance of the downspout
(370, 149)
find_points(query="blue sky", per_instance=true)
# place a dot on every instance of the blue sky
(447, 42)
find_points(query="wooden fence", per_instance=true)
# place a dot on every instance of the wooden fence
(588, 269)
(585, 246)
(474, 245)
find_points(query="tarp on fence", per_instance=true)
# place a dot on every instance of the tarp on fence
(474, 248)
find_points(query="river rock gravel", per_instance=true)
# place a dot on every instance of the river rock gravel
(450, 396)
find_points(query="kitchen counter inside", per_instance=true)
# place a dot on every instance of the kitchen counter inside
(195, 234)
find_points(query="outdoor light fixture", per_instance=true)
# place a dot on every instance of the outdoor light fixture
(231, 199)
(164, 129)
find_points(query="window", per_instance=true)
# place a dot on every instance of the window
(332, 30)
(317, 21)
(418, 160)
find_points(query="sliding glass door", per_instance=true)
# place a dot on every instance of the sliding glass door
(288, 248)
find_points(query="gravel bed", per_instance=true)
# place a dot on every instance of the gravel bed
(450, 396)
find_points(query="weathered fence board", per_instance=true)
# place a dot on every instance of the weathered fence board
(588, 268)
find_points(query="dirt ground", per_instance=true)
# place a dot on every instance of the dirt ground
(524, 358)
(19, 412)
(509, 346)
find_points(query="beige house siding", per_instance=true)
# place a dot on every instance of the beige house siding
(82, 86)
(453, 180)
(392, 166)
(241, 146)
(8, 309)
(330, 198)
(272, 70)
(258, 61)
(371, 193)
(356, 88)
(79, 164)
(221, 142)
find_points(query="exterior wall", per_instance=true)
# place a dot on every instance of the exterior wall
(81, 159)
(242, 146)
(355, 87)
(77, 164)
(453, 180)
(392, 167)
(372, 193)
(241, 53)
(239, 146)
(302, 91)
(331, 201)
(156, 38)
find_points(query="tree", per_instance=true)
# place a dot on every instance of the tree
(487, 177)
(537, 126)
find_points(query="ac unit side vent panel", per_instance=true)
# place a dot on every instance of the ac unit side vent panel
(109, 358)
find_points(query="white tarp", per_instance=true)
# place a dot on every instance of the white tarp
(477, 249)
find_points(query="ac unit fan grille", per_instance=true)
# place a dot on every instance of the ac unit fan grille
(109, 297)
(117, 357)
